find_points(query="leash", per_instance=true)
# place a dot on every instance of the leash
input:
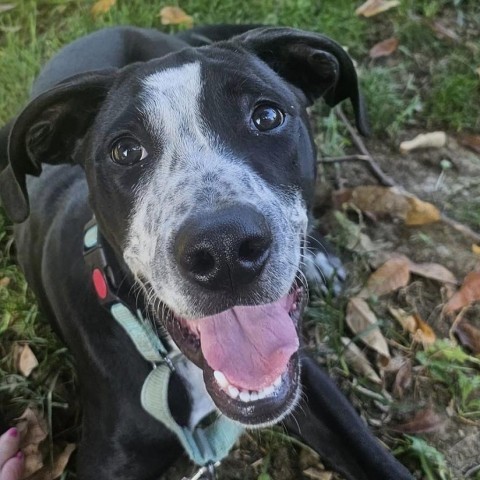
(205, 445)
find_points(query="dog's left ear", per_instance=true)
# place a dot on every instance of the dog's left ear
(314, 63)
(46, 131)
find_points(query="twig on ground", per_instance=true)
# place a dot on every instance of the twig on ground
(382, 177)
(460, 227)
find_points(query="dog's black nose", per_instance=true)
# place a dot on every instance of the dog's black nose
(224, 249)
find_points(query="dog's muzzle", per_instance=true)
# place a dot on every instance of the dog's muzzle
(248, 352)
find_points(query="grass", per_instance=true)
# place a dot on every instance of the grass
(429, 82)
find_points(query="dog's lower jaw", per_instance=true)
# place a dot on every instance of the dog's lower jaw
(253, 407)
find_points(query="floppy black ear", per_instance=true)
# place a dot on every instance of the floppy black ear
(314, 63)
(46, 131)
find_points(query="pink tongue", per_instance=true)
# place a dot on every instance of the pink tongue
(251, 345)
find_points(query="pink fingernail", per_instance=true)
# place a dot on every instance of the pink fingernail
(19, 455)
(13, 432)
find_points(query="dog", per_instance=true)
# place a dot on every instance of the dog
(194, 155)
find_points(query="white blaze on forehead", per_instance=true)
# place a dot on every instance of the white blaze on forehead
(171, 101)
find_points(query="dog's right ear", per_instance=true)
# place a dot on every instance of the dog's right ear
(46, 131)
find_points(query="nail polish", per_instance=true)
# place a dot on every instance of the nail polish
(13, 432)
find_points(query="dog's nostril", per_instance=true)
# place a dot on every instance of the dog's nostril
(202, 263)
(252, 249)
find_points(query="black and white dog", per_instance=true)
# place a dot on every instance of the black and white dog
(194, 154)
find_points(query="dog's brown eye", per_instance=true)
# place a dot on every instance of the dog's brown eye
(127, 151)
(267, 117)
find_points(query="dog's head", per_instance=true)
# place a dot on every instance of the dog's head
(201, 172)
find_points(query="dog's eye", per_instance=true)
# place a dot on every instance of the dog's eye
(127, 151)
(267, 117)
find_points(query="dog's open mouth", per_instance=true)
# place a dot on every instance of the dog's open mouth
(249, 356)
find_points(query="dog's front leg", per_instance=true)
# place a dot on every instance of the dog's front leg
(326, 421)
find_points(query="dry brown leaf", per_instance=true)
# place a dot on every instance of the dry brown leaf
(469, 292)
(424, 140)
(392, 275)
(420, 212)
(470, 141)
(373, 7)
(101, 7)
(25, 359)
(315, 474)
(383, 48)
(422, 422)
(434, 271)
(413, 323)
(424, 334)
(476, 249)
(363, 322)
(444, 32)
(172, 15)
(406, 320)
(33, 430)
(358, 361)
(4, 282)
(5, 7)
(60, 461)
(403, 379)
(468, 335)
(394, 202)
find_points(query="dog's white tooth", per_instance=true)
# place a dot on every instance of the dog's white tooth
(233, 391)
(278, 381)
(268, 390)
(254, 396)
(261, 394)
(244, 396)
(221, 379)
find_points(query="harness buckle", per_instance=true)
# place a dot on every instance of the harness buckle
(206, 472)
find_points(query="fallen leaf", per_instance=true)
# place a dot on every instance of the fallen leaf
(5, 7)
(392, 201)
(406, 320)
(468, 335)
(101, 7)
(363, 322)
(4, 282)
(424, 333)
(444, 32)
(358, 361)
(175, 16)
(373, 7)
(423, 421)
(56, 469)
(424, 140)
(420, 212)
(403, 379)
(476, 249)
(420, 330)
(315, 474)
(434, 271)
(33, 430)
(392, 275)
(469, 292)
(470, 141)
(383, 48)
(25, 359)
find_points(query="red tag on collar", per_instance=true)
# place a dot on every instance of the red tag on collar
(100, 283)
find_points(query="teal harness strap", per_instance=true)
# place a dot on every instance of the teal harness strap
(204, 445)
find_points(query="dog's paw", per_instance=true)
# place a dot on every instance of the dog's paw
(323, 269)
